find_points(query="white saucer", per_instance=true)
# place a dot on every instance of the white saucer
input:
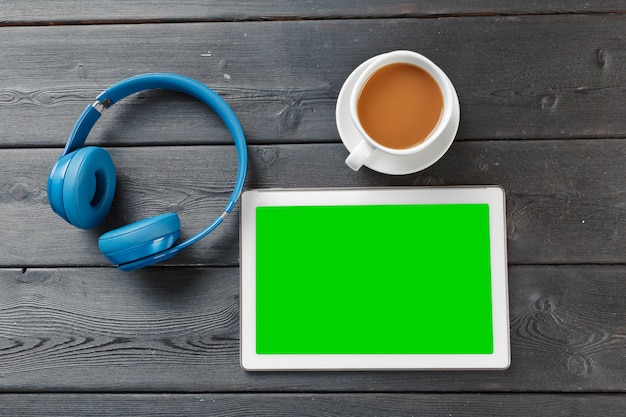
(383, 162)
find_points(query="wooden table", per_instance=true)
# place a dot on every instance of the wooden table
(543, 114)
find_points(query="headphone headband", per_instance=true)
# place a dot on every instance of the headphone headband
(178, 83)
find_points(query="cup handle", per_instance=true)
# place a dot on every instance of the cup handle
(359, 155)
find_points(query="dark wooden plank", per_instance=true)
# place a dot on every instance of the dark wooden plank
(72, 11)
(362, 405)
(517, 77)
(177, 330)
(566, 199)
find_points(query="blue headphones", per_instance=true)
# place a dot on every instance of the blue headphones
(82, 182)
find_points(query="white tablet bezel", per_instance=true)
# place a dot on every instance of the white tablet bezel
(491, 195)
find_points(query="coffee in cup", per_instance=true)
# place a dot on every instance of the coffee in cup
(403, 108)
(399, 105)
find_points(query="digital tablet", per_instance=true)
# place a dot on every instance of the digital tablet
(389, 278)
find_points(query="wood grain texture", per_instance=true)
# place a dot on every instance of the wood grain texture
(541, 86)
(530, 77)
(362, 405)
(74, 11)
(177, 330)
(566, 200)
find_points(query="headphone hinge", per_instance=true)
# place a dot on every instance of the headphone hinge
(101, 106)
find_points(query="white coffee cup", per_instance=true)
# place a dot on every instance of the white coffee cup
(414, 158)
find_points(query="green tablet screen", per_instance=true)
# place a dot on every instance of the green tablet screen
(373, 279)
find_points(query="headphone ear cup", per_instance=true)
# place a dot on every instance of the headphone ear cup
(87, 186)
(55, 185)
(140, 239)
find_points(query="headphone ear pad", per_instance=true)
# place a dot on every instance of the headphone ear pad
(55, 185)
(140, 239)
(87, 186)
